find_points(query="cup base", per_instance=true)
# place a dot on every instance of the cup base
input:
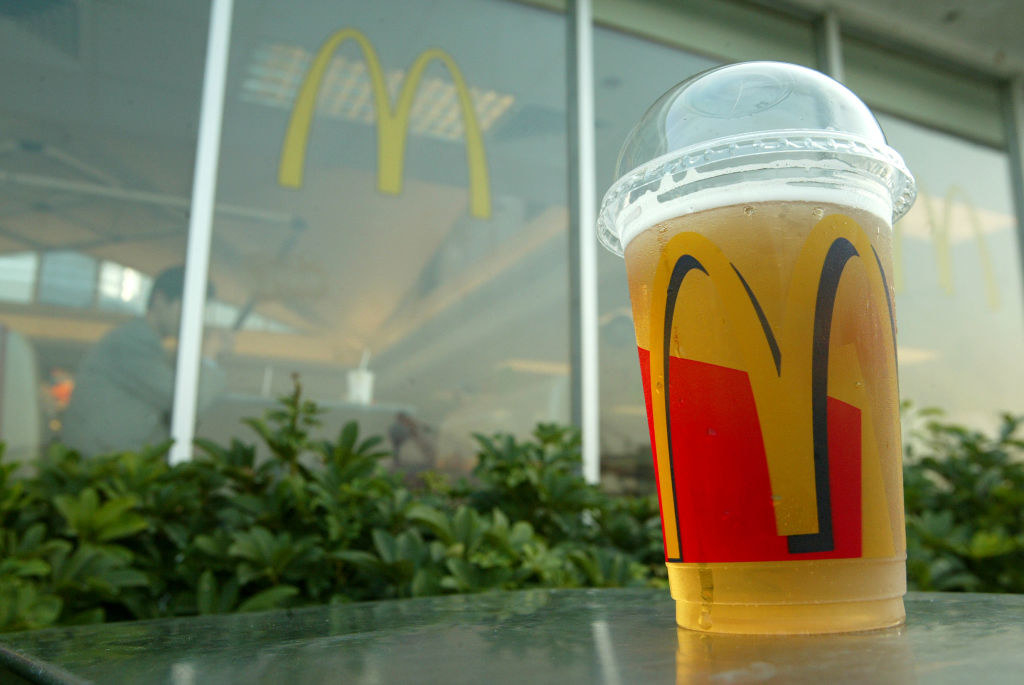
(790, 619)
(790, 597)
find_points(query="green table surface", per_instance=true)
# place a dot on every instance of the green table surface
(540, 636)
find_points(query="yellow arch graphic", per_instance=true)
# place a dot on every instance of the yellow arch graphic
(392, 125)
(940, 230)
(783, 396)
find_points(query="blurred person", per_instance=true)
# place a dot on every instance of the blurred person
(54, 395)
(407, 429)
(124, 388)
(61, 385)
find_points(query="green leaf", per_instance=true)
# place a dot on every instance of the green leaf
(206, 593)
(24, 607)
(985, 544)
(228, 596)
(25, 568)
(92, 522)
(410, 547)
(247, 573)
(367, 445)
(425, 582)
(209, 545)
(386, 545)
(521, 534)
(434, 520)
(43, 612)
(271, 598)
(31, 539)
(499, 519)
(178, 534)
(256, 544)
(261, 429)
(347, 437)
(75, 508)
(466, 527)
(128, 524)
(125, 577)
(357, 558)
(113, 510)
(465, 575)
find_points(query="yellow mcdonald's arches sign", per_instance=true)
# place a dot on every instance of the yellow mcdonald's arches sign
(392, 123)
(822, 409)
(940, 224)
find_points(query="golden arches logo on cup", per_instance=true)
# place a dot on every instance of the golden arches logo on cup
(768, 430)
(392, 121)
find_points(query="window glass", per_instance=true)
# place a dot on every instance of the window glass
(393, 222)
(958, 278)
(966, 105)
(622, 95)
(97, 141)
(18, 276)
(725, 29)
(67, 278)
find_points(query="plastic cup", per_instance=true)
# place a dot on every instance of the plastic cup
(754, 207)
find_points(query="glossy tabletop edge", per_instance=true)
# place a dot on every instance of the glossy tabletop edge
(34, 670)
(54, 655)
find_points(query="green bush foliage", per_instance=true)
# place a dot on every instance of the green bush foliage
(127, 536)
(964, 495)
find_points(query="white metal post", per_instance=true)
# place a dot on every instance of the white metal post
(197, 254)
(830, 50)
(587, 206)
(1015, 141)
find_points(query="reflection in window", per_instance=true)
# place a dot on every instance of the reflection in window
(276, 71)
(258, 322)
(220, 314)
(67, 279)
(122, 288)
(98, 149)
(622, 95)
(957, 277)
(18, 276)
(459, 318)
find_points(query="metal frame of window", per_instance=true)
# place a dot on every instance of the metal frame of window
(1013, 113)
(200, 227)
(583, 316)
(830, 45)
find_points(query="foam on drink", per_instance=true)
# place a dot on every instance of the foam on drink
(649, 211)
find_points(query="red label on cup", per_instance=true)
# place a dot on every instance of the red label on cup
(723, 497)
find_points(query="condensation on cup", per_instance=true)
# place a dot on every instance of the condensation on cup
(754, 207)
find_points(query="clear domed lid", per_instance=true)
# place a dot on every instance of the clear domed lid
(772, 121)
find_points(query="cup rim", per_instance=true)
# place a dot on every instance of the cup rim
(785, 148)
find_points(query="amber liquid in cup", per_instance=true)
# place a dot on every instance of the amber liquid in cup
(766, 336)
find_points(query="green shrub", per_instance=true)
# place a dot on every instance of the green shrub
(127, 536)
(964, 495)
